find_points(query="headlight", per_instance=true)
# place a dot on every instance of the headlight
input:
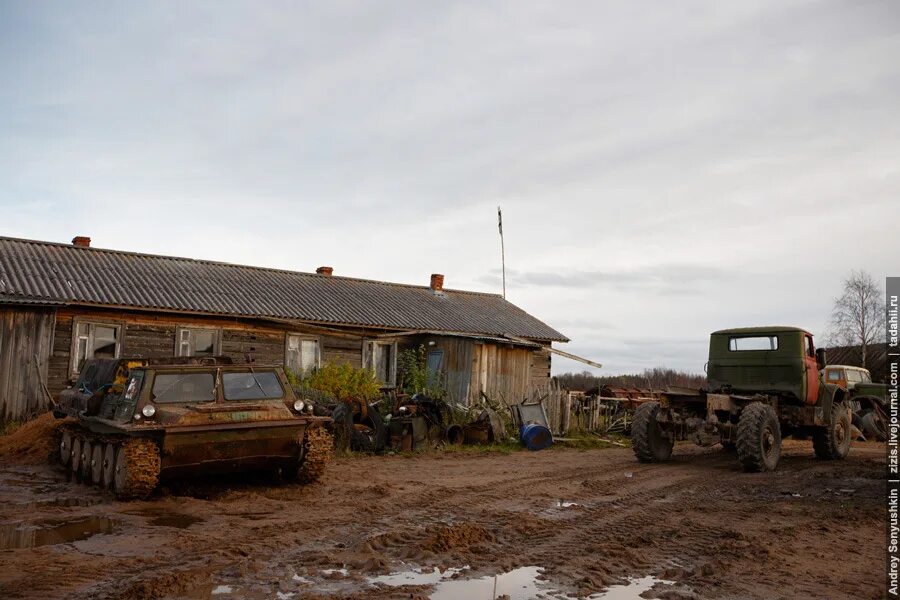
(148, 411)
(299, 405)
(403, 409)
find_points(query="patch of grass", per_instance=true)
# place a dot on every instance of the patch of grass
(585, 440)
(10, 427)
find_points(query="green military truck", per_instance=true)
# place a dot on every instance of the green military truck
(763, 385)
(130, 421)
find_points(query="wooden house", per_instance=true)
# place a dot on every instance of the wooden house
(63, 303)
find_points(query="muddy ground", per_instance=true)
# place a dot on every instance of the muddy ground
(582, 520)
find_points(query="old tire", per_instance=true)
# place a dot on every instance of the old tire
(832, 442)
(362, 435)
(136, 471)
(873, 426)
(108, 470)
(648, 440)
(317, 451)
(758, 438)
(97, 463)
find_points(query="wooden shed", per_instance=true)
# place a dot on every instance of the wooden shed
(63, 303)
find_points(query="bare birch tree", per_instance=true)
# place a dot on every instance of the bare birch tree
(858, 314)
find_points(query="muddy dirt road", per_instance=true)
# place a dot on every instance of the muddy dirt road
(565, 522)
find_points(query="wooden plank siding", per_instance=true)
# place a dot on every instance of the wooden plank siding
(469, 366)
(153, 335)
(24, 337)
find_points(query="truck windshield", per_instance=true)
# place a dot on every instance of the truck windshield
(251, 386)
(760, 342)
(184, 387)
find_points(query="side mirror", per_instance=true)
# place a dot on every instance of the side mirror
(821, 362)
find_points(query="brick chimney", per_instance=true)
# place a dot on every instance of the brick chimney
(437, 282)
(81, 241)
(326, 271)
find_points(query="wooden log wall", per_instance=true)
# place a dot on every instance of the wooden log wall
(153, 334)
(25, 337)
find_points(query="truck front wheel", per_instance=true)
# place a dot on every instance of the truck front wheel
(833, 441)
(758, 438)
(649, 442)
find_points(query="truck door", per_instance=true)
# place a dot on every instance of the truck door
(812, 371)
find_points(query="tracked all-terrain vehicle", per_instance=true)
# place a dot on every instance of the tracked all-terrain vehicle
(764, 384)
(135, 420)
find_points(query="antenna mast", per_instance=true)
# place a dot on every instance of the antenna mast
(502, 248)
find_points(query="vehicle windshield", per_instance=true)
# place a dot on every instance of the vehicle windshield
(251, 386)
(834, 375)
(184, 387)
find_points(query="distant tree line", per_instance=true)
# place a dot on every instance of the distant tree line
(657, 378)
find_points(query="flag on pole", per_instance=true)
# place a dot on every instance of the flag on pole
(500, 220)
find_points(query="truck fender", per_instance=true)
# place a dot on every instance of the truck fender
(829, 395)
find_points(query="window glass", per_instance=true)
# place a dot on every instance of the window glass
(810, 348)
(866, 377)
(251, 386)
(197, 342)
(853, 376)
(383, 362)
(763, 342)
(184, 387)
(95, 340)
(834, 375)
(302, 354)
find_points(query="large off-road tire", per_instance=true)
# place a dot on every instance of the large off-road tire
(648, 440)
(136, 470)
(318, 447)
(758, 438)
(832, 442)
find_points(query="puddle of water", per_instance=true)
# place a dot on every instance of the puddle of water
(178, 521)
(23, 535)
(631, 590)
(221, 589)
(564, 504)
(343, 572)
(518, 584)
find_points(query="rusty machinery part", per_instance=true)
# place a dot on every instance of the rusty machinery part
(832, 442)
(108, 473)
(62, 445)
(317, 450)
(75, 460)
(758, 438)
(136, 470)
(648, 440)
(96, 469)
(87, 449)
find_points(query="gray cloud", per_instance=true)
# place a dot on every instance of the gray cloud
(666, 169)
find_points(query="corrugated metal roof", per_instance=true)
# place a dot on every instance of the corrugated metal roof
(43, 271)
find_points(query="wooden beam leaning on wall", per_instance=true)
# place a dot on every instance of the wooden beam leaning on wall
(553, 350)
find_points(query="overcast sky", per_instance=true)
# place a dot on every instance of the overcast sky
(665, 168)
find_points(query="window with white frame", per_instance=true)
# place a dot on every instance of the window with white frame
(197, 341)
(94, 340)
(301, 353)
(381, 358)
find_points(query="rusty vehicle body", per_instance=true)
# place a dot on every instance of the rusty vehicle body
(867, 400)
(136, 420)
(764, 384)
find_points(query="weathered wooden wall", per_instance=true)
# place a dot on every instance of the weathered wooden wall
(457, 366)
(501, 372)
(149, 334)
(25, 335)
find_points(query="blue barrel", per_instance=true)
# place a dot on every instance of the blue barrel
(535, 437)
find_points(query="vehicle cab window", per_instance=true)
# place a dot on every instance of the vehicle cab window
(184, 387)
(834, 375)
(810, 347)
